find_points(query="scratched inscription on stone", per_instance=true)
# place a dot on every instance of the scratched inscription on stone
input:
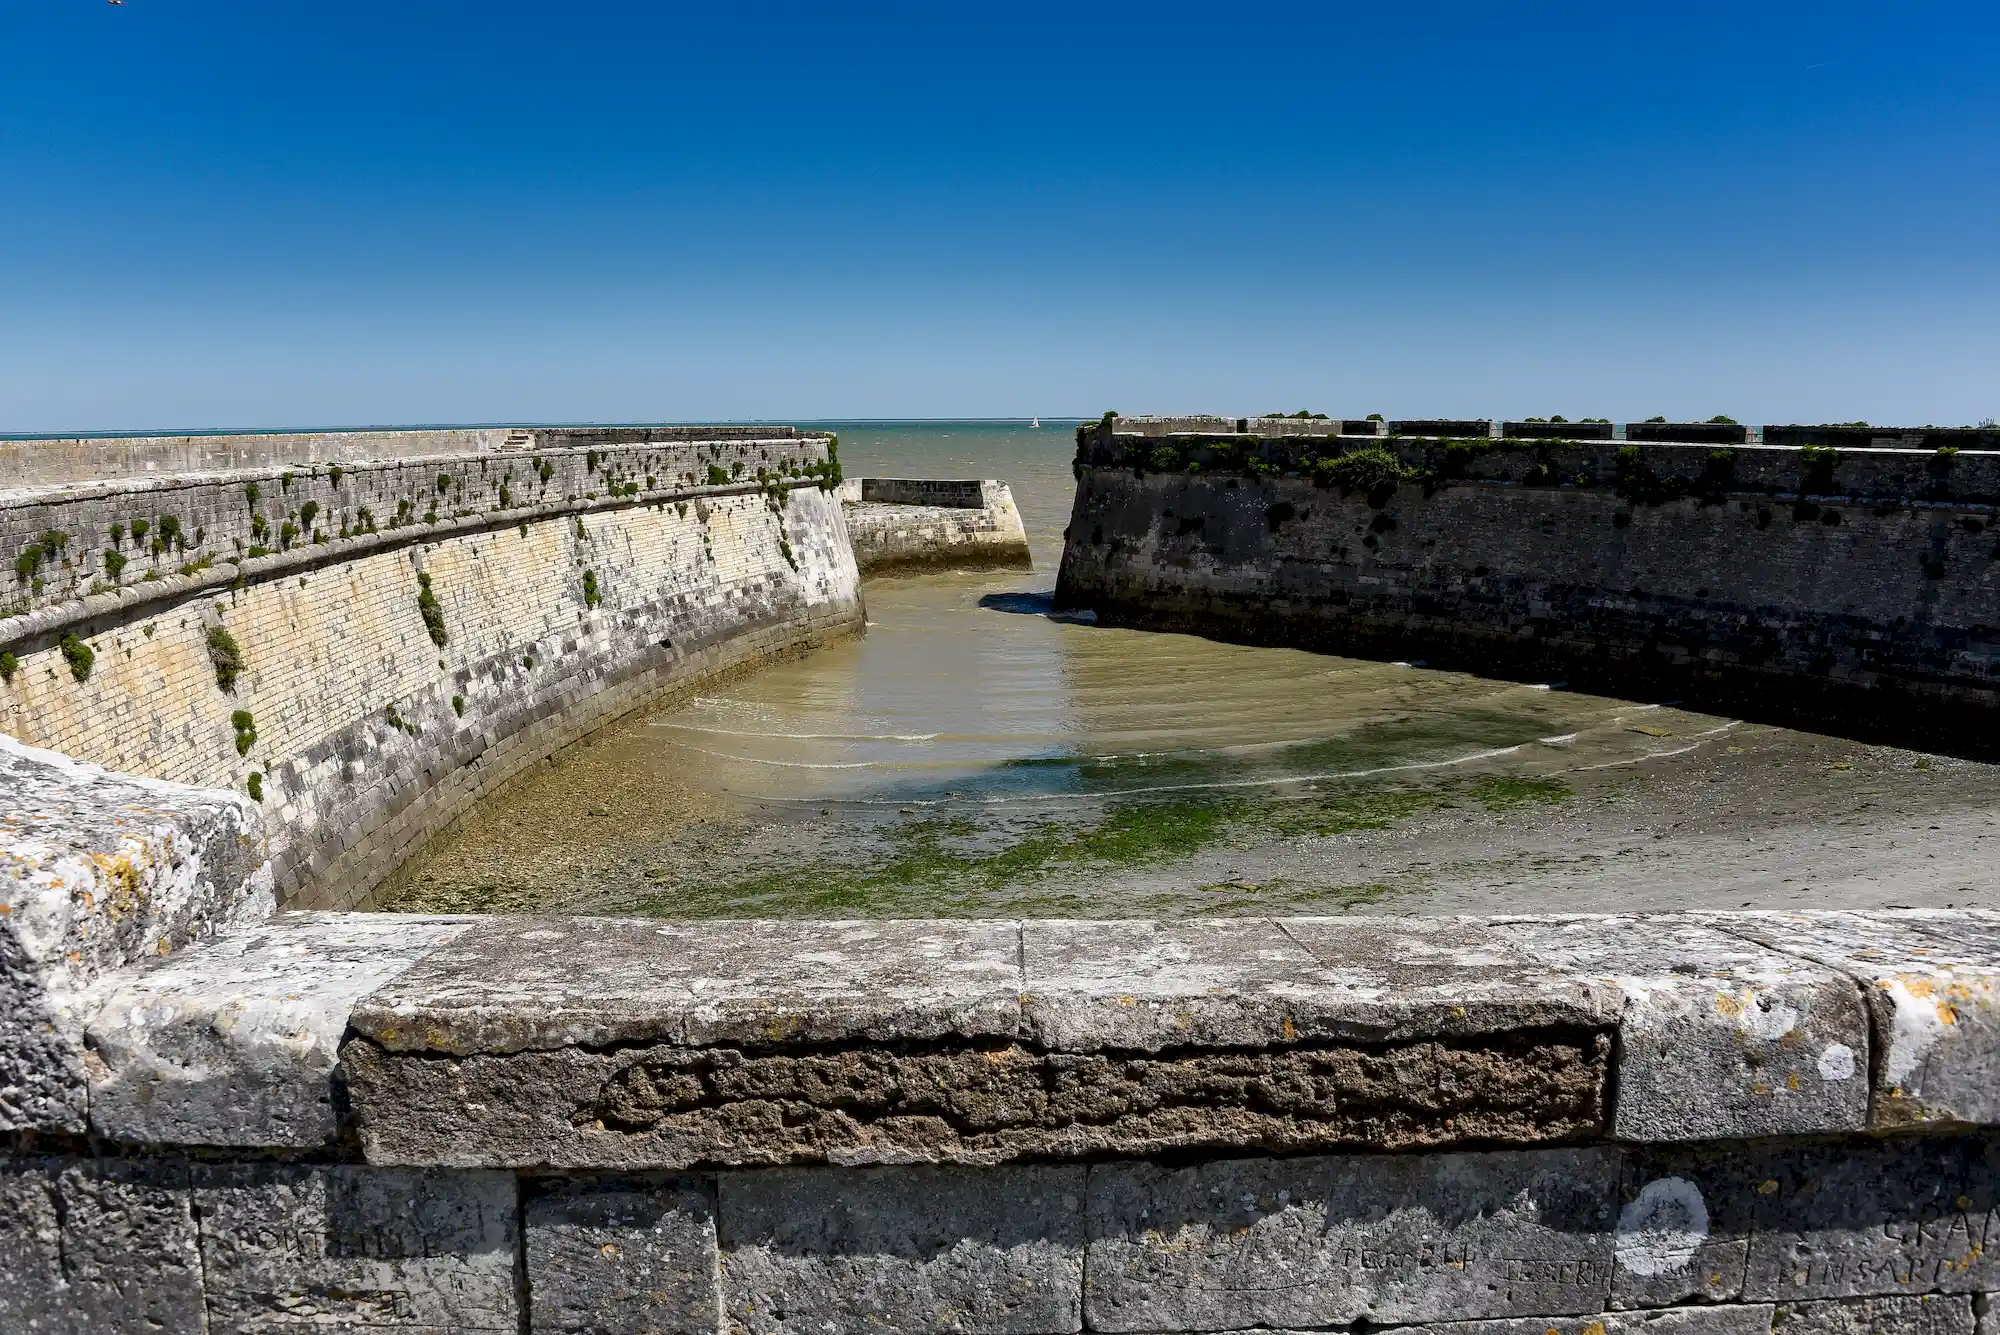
(1370, 1238)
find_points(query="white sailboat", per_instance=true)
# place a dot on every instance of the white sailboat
(1034, 423)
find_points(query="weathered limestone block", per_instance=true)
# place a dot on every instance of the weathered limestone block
(1719, 1038)
(1931, 1314)
(33, 1292)
(1735, 1319)
(1252, 982)
(235, 1042)
(621, 1257)
(1329, 1241)
(1901, 1217)
(1930, 978)
(310, 1247)
(915, 1249)
(896, 522)
(98, 869)
(131, 1257)
(518, 984)
(1685, 1220)
(929, 1069)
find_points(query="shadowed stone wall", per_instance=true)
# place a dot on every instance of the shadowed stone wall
(1850, 590)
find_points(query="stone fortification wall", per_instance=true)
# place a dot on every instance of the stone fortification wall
(48, 461)
(914, 524)
(1853, 590)
(1708, 1123)
(368, 650)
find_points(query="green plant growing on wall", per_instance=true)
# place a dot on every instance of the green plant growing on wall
(335, 473)
(591, 459)
(227, 657)
(9, 665)
(718, 476)
(581, 531)
(255, 784)
(528, 661)
(307, 513)
(285, 480)
(1374, 471)
(1721, 420)
(545, 470)
(458, 705)
(1661, 418)
(43, 550)
(80, 656)
(506, 496)
(431, 611)
(287, 534)
(1816, 473)
(117, 534)
(364, 520)
(251, 491)
(246, 731)
(260, 528)
(591, 597)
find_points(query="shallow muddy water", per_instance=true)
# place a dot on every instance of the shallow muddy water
(970, 755)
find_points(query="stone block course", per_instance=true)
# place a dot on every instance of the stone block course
(1931, 980)
(917, 1249)
(1333, 1241)
(626, 1256)
(298, 1247)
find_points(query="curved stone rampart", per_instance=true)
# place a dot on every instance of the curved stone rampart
(1725, 1122)
(415, 632)
(1847, 590)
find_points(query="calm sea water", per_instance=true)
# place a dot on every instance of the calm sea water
(962, 684)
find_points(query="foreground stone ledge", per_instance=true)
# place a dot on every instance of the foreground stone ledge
(235, 1042)
(99, 870)
(1932, 982)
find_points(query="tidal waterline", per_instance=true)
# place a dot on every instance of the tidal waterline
(972, 755)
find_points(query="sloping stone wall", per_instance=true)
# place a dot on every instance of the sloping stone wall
(911, 524)
(1849, 591)
(391, 665)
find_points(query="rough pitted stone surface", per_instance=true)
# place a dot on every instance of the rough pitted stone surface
(1331, 1241)
(1255, 982)
(235, 1041)
(98, 869)
(1720, 1038)
(1932, 980)
(916, 1250)
(33, 1293)
(1931, 1314)
(313, 1248)
(667, 1107)
(519, 984)
(1851, 1221)
(526, 1043)
(1743, 1319)
(131, 1255)
(1685, 1219)
(622, 1256)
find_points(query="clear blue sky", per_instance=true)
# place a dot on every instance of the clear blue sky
(223, 213)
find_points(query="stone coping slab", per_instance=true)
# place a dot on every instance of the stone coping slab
(514, 1041)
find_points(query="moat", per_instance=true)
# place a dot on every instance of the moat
(973, 756)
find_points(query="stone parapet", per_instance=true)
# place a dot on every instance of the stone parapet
(1723, 1124)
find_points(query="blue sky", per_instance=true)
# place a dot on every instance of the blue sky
(227, 214)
